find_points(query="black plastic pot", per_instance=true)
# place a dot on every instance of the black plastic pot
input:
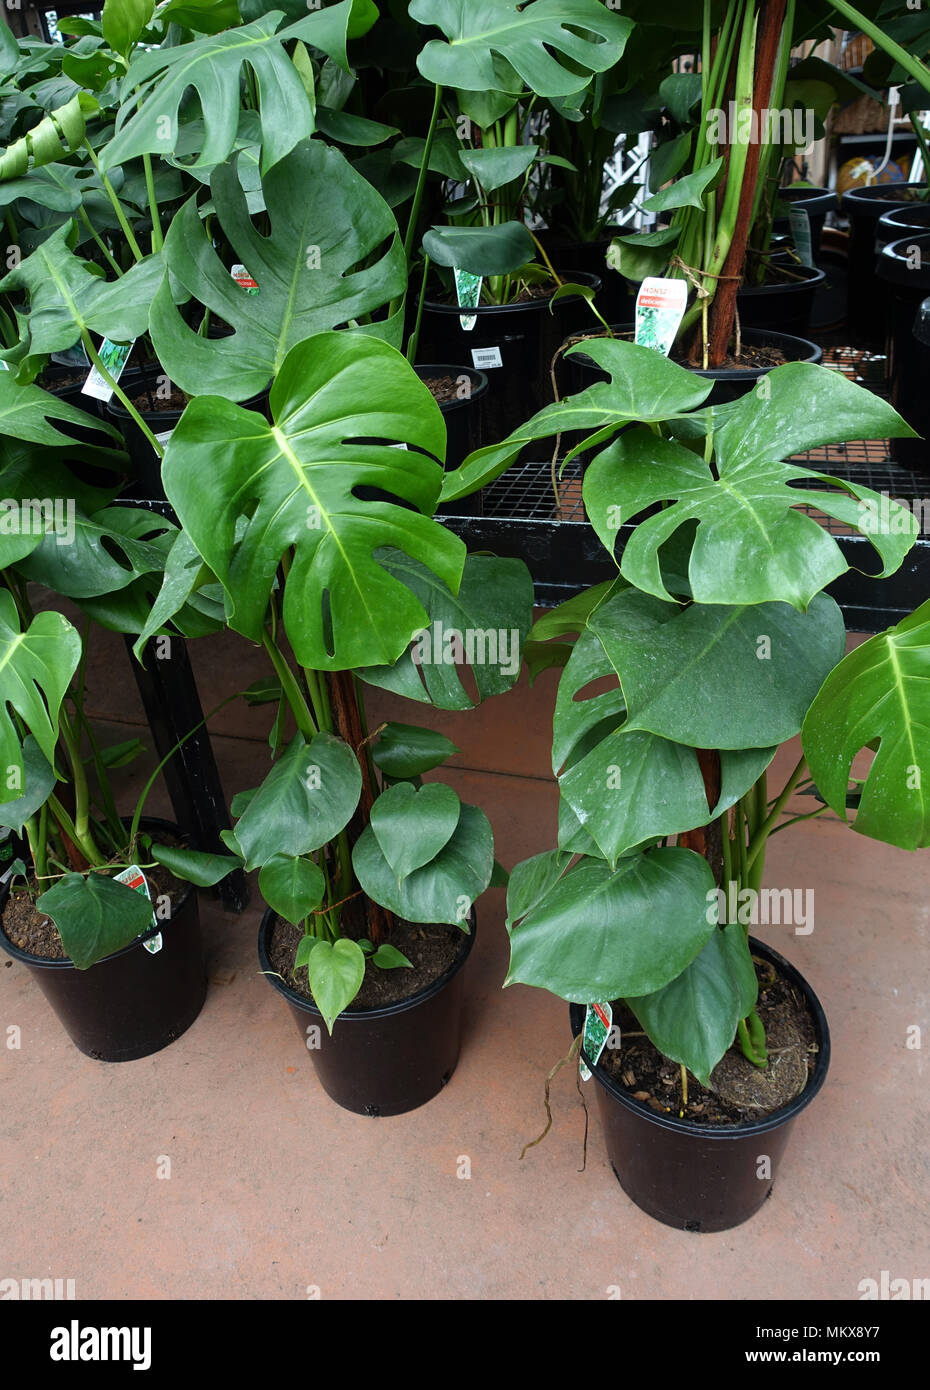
(693, 1177)
(865, 314)
(382, 1061)
(904, 269)
(583, 261)
(132, 1003)
(816, 202)
(463, 417)
(916, 452)
(513, 343)
(729, 382)
(784, 308)
(911, 219)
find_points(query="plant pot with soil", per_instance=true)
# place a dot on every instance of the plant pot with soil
(865, 313)
(681, 677)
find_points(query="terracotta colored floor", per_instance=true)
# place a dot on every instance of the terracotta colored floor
(275, 1191)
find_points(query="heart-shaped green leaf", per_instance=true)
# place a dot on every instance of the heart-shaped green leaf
(95, 915)
(412, 824)
(404, 750)
(335, 972)
(293, 887)
(444, 889)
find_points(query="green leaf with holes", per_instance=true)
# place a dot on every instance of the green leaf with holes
(36, 667)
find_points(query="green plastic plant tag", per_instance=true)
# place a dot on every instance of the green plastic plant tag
(597, 1023)
(660, 308)
(134, 878)
(114, 357)
(468, 293)
(800, 225)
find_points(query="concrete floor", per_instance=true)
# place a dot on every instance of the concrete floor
(276, 1193)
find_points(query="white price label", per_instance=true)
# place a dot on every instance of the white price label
(486, 357)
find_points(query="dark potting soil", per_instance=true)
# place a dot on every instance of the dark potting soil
(33, 932)
(150, 402)
(750, 358)
(740, 1092)
(56, 381)
(443, 388)
(526, 295)
(430, 949)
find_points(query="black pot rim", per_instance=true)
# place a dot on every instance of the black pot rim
(581, 277)
(359, 1015)
(891, 264)
(822, 198)
(753, 336)
(479, 380)
(814, 278)
(725, 1133)
(864, 199)
(896, 218)
(44, 963)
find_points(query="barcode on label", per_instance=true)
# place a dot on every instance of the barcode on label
(164, 435)
(486, 357)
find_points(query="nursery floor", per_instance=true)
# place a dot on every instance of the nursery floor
(273, 1191)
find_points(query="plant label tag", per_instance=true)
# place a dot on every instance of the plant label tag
(660, 308)
(597, 1023)
(134, 878)
(800, 225)
(486, 357)
(114, 357)
(164, 435)
(243, 279)
(468, 293)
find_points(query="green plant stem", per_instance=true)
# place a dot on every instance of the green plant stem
(911, 65)
(921, 136)
(85, 845)
(414, 340)
(319, 697)
(421, 178)
(158, 240)
(118, 392)
(796, 820)
(757, 843)
(292, 692)
(105, 251)
(78, 778)
(117, 205)
(37, 847)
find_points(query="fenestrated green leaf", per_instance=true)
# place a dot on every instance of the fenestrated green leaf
(541, 42)
(602, 934)
(498, 165)
(184, 573)
(670, 661)
(108, 551)
(194, 865)
(246, 490)
(693, 1018)
(687, 192)
(157, 80)
(333, 255)
(309, 795)
(66, 297)
(36, 667)
(27, 412)
(481, 250)
(95, 915)
(482, 626)
(292, 886)
(37, 781)
(445, 888)
(644, 386)
(752, 544)
(404, 750)
(880, 691)
(412, 824)
(335, 972)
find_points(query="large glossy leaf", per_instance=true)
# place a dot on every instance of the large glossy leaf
(442, 890)
(693, 1018)
(309, 795)
(27, 412)
(671, 663)
(67, 297)
(482, 627)
(412, 824)
(643, 386)
(626, 787)
(601, 933)
(292, 886)
(879, 692)
(246, 491)
(480, 250)
(37, 781)
(540, 43)
(109, 550)
(95, 915)
(332, 255)
(158, 79)
(752, 544)
(405, 750)
(194, 865)
(36, 667)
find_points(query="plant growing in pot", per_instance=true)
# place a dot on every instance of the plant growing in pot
(320, 530)
(712, 645)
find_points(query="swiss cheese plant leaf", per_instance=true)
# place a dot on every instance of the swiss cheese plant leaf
(412, 824)
(28, 412)
(442, 890)
(102, 553)
(482, 627)
(54, 136)
(669, 662)
(333, 255)
(36, 667)
(158, 79)
(309, 795)
(37, 782)
(95, 915)
(246, 491)
(693, 1019)
(553, 46)
(643, 386)
(600, 933)
(752, 544)
(67, 297)
(879, 693)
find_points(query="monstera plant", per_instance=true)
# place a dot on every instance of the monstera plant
(713, 643)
